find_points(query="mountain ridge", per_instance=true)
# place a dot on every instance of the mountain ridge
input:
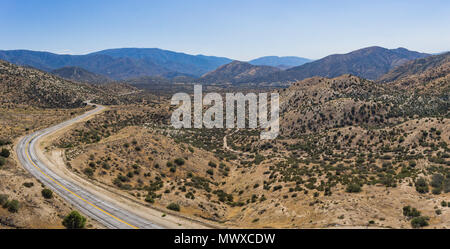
(282, 62)
(369, 63)
(119, 64)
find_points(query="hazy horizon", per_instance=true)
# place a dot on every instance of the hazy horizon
(241, 30)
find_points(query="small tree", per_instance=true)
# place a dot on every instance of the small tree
(47, 193)
(74, 221)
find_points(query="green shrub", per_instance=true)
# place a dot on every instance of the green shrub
(3, 200)
(4, 142)
(179, 161)
(28, 184)
(212, 164)
(437, 180)
(422, 185)
(13, 206)
(89, 172)
(47, 193)
(174, 207)
(74, 221)
(5, 153)
(410, 212)
(353, 188)
(149, 199)
(419, 222)
(2, 161)
(436, 191)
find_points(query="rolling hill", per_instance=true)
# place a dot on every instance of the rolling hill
(28, 86)
(237, 72)
(79, 74)
(429, 75)
(416, 67)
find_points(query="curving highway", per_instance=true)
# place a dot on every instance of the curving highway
(108, 214)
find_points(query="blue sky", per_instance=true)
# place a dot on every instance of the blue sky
(239, 29)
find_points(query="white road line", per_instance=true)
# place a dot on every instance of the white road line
(108, 214)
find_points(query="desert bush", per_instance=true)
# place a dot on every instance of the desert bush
(28, 184)
(190, 195)
(412, 163)
(47, 193)
(2, 161)
(13, 206)
(422, 185)
(174, 207)
(89, 172)
(353, 188)
(5, 153)
(437, 180)
(3, 200)
(74, 221)
(179, 161)
(419, 222)
(410, 212)
(4, 142)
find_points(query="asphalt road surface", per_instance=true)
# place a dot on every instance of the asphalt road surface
(108, 214)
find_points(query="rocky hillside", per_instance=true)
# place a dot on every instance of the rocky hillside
(318, 103)
(79, 74)
(237, 72)
(428, 75)
(418, 66)
(28, 86)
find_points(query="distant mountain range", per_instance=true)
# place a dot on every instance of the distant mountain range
(156, 65)
(280, 62)
(119, 64)
(369, 63)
